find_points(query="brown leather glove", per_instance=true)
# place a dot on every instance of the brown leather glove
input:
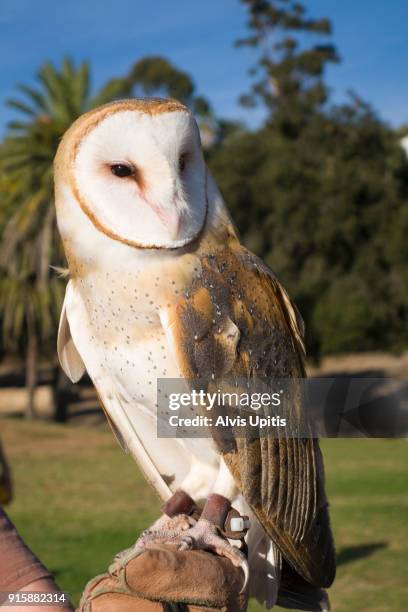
(162, 578)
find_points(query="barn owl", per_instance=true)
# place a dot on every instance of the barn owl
(160, 287)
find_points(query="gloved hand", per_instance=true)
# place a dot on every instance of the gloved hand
(162, 578)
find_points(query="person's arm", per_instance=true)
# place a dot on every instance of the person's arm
(6, 483)
(21, 570)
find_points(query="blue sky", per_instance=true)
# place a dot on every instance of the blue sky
(371, 37)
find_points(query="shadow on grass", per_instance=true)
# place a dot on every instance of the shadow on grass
(353, 553)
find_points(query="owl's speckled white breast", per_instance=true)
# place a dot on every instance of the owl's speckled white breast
(124, 324)
(125, 350)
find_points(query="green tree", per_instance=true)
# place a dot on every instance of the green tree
(320, 192)
(289, 73)
(156, 76)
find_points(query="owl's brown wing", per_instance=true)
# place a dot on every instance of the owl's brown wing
(237, 320)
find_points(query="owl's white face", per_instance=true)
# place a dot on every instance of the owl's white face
(141, 178)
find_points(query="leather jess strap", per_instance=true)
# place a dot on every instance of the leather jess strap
(179, 503)
(217, 510)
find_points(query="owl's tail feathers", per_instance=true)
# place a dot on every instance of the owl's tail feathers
(273, 582)
(297, 594)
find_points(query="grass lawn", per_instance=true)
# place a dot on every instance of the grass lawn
(79, 500)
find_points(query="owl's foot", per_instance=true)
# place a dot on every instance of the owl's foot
(179, 514)
(164, 529)
(205, 535)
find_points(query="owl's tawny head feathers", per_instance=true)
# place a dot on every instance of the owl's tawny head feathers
(136, 169)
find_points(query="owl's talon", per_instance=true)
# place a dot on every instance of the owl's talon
(187, 543)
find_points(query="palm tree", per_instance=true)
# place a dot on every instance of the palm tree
(30, 291)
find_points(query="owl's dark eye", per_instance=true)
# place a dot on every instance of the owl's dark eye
(182, 162)
(121, 170)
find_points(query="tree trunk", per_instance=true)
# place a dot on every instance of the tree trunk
(31, 365)
(63, 395)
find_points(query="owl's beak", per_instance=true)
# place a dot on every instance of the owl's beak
(170, 218)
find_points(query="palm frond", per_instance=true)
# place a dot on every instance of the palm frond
(20, 106)
(37, 98)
